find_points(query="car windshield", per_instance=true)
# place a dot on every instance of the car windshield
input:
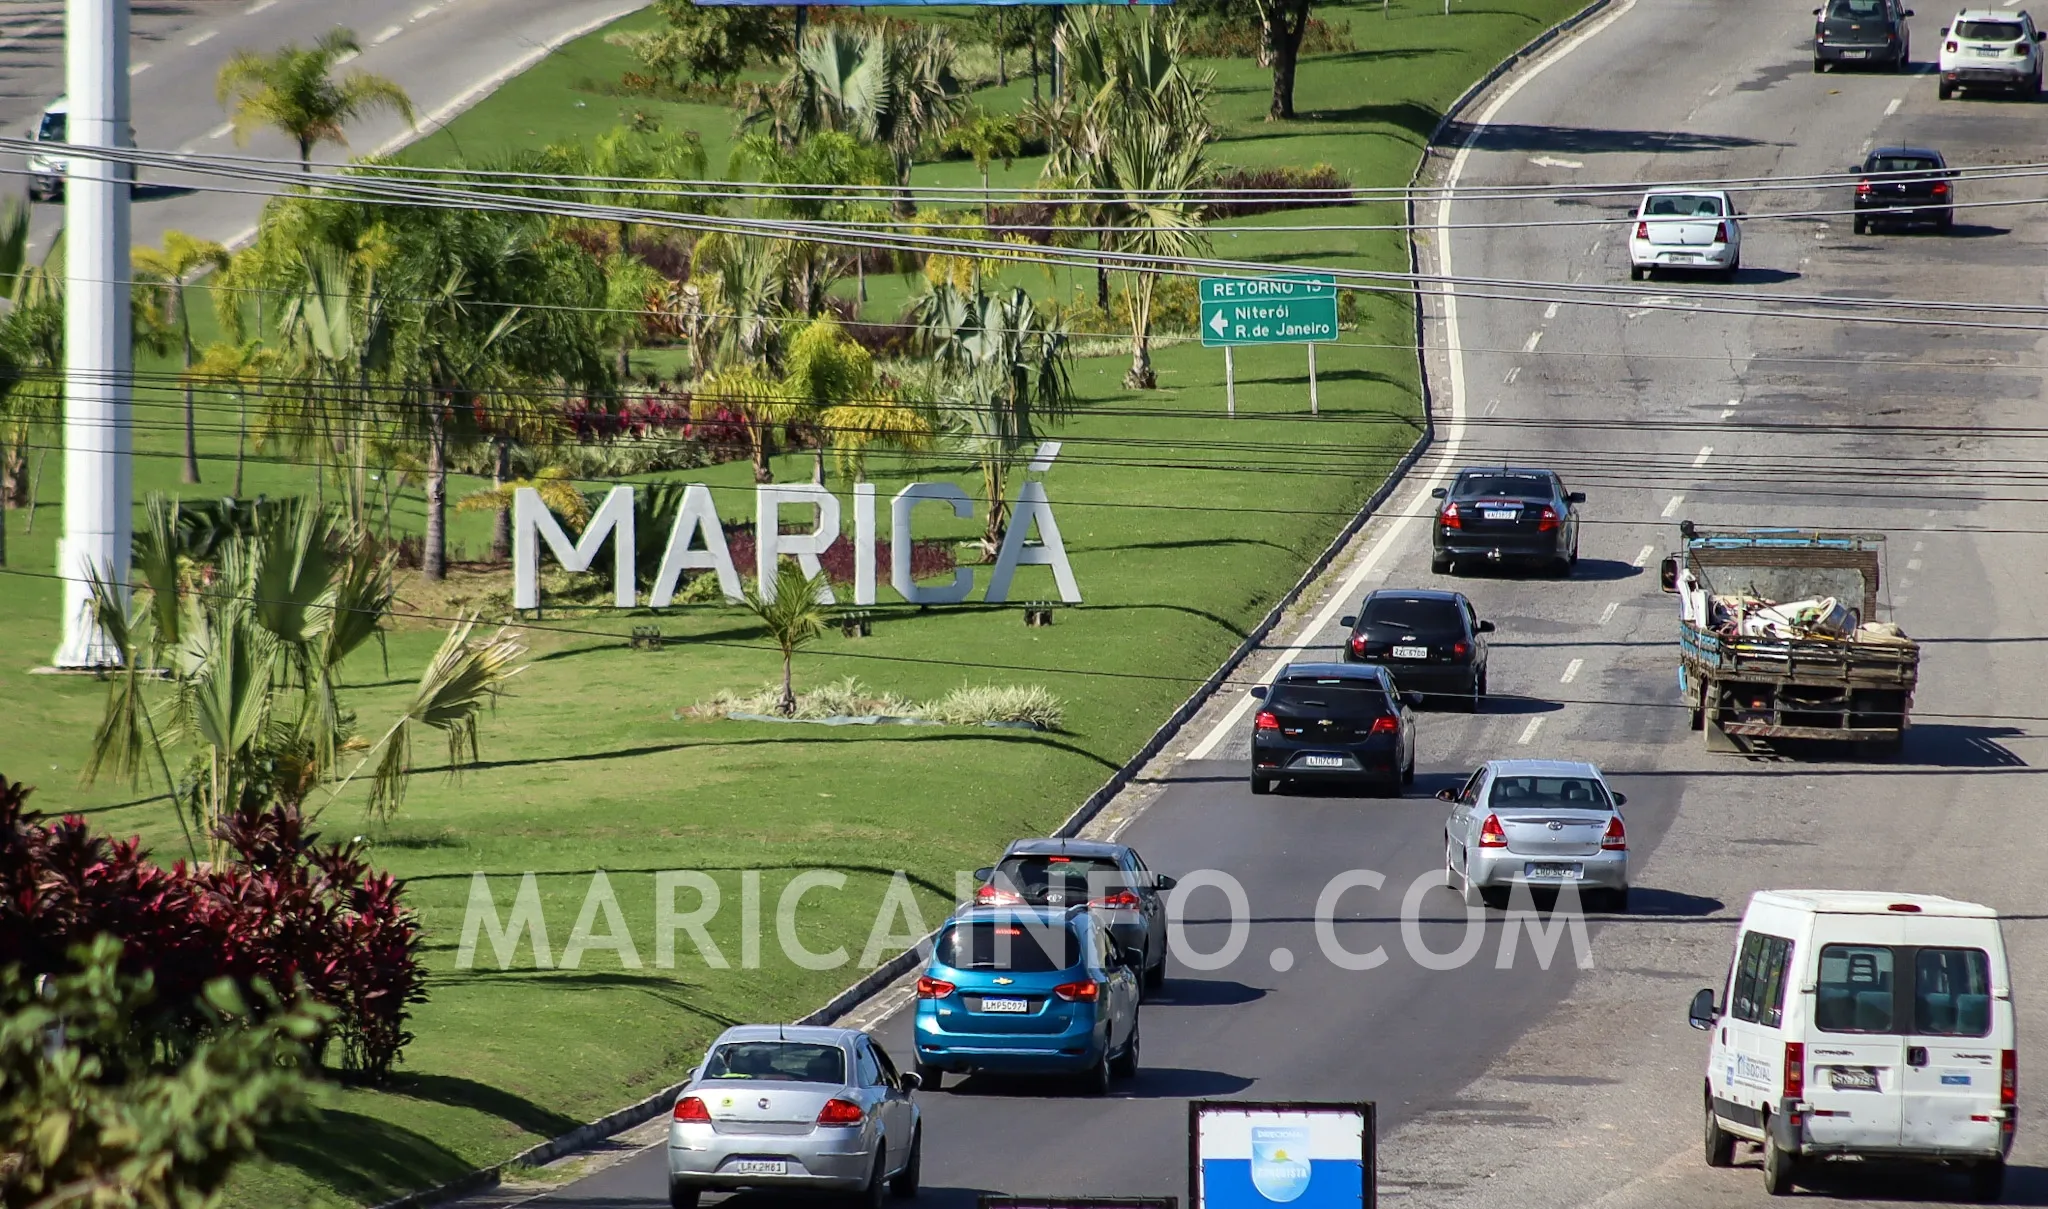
(1856, 10)
(52, 129)
(1989, 31)
(1584, 793)
(1901, 163)
(783, 1061)
(1413, 615)
(1515, 486)
(1681, 205)
(1019, 948)
(1350, 699)
(1036, 874)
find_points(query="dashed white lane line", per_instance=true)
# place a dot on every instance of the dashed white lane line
(1607, 614)
(1529, 731)
(136, 69)
(259, 6)
(1512, 374)
(1913, 564)
(1671, 509)
(1571, 671)
(347, 56)
(221, 131)
(1893, 108)
(386, 34)
(205, 35)
(1550, 312)
(1593, 247)
(428, 11)
(1529, 345)
(1492, 406)
(1700, 458)
(1919, 546)
(1643, 556)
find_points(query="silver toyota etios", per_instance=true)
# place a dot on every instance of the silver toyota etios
(1539, 823)
(789, 1108)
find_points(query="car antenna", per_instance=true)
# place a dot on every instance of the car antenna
(779, 1034)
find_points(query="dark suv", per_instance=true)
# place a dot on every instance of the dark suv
(1862, 32)
(1505, 514)
(1904, 184)
(1333, 722)
(1431, 641)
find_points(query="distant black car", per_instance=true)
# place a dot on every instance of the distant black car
(1862, 33)
(1506, 514)
(1333, 722)
(1432, 642)
(1112, 878)
(1904, 184)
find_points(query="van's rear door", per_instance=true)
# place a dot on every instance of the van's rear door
(1856, 1053)
(1952, 1071)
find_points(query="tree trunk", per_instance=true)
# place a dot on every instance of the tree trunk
(501, 524)
(998, 508)
(758, 429)
(1034, 65)
(306, 156)
(434, 558)
(241, 435)
(191, 474)
(788, 702)
(1002, 52)
(14, 473)
(1286, 22)
(1140, 375)
(987, 209)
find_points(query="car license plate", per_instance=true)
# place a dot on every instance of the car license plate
(1855, 54)
(1003, 1005)
(758, 1167)
(1500, 514)
(1411, 652)
(1547, 871)
(1322, 761)
(1985, 52)
(1852, 1078)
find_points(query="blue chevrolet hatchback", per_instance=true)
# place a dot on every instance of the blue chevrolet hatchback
(1029, 991)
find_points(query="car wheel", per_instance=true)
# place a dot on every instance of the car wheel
(930, 1078)
(1818, 67)
(1096, 1081)
(1126, 1065)
(1408, 772)
(1987, 1182)
(1720, 1143)
(1946, 222)
(683, 1196)
(1946, 91)
(905, 1182)
(1475, 896)
(1734, 268)
(1262, 785)
(1778, 1165)
(876, 1194)
(1440, 564)
(1155, 977)
(1574, 562)
(1637, 272)
(1862, 224)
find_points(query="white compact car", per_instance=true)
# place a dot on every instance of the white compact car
(1991, 48)
(1863, 1025)
(1693, 229)
(46, 172)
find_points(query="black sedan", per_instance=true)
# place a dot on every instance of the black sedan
(1904, 184)
(1112, 878)
(1505, 514)
(1333, 722)
(1433, 642)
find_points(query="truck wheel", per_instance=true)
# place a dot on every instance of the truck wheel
(1778, 1165)
(1699, 718)
(1987, 1182)
(1720, 1143)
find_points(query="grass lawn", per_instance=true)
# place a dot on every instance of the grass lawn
(1182, 527)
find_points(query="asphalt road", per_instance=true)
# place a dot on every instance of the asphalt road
(1559, 1087)
(445, 53)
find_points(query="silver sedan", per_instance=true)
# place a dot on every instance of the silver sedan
(787, 1107)
(1540, 823)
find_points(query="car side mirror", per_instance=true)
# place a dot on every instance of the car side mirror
(2038, 35)
(1816, 12)
(1439, 493)
(1667, 574)
(1446, 795)
(1703, 1013)
(1484, 627)
(985, 875)
(1412, 700)
(1621, 799)
(1348, 622)
(696, 1073)
(909, 1081)
(1576, 497)
(1163, 881)
(1258, 692)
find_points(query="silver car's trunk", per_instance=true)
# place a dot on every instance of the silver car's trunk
(1683, 233)
(1554, 832)
(749, 1103)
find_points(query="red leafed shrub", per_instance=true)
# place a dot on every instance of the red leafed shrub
(637, 416)
(1269, 180)
(928, 559)
(284, 910)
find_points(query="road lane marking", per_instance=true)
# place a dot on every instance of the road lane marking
(1919, 546)
(27, 31)
(1493, 406)
(1671, 509)
(1898, 600)
(1593, 247)
(1455, 431)
(1571, 671)
(1529, 731)
(1550, 312)
(1700, 458)
(347, 56)
(1514, 373)
(1607, 614)
(1545, 161)
(1726, 412)
(221, 131)
(1893, 108)
(1913, 564)
(137, 69)
(202, 36)
(1643, 556)
(386, 34)
(259, 6)
(1529, 345)
(428, 11)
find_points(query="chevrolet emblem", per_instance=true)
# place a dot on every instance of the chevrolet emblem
(1003, 982)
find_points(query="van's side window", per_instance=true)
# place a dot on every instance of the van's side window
(1854, 991)
(1759, 992)
(1952, 993)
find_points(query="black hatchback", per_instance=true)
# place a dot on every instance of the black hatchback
(1505, 514)
(1904, 184)
(1333, 722)
(1431, 641)
(1862, 33)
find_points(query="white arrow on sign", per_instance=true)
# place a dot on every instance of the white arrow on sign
(1220, 323)
(1544, 161)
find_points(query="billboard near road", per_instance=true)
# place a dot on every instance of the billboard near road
(1244, 1155)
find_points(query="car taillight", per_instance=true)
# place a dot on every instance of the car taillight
(2009, 1081)
(1450, 517)
(1642, 229)
(1122, 898)
(1385, 724)
(1950, 48)
(991, 896)
(691, 1110)
(1940, 188)
(1616, 837)
(1461, 649)
(1862, 187)
(840, 1112)
(1078, 992)
(1795, 1070)
(1358, 644)
(1266, 721)
(1490, 833)
(1720, 232)
(933, 988)
(1547, 521)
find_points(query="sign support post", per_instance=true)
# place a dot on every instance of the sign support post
(1229, 384)
(1295, 308)
(1314, 408)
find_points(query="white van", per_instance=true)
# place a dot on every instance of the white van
(1863, 1023)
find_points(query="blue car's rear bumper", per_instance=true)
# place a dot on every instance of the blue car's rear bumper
(1077, 1049)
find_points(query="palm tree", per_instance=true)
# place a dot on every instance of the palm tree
(238, 369)
(824, 174)
(181, 257)
(892, 86)
(741, 282)
(986, 138)
(338, 328)
(793, 610)
(1154, 170)
(31, 353)
(293, 89)
(825, 370)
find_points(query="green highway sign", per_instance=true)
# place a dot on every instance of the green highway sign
(1299, 308)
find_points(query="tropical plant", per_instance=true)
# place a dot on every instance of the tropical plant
(337, 329)
(824, 372)
(793, 610)
(1153, 171)
(987, 137)
(31, 353)
(822, 178)
(294, 90)
(711, 44)
(174, 265)
(893, 85)
(622, 166)
(238, 369)
(556, 488)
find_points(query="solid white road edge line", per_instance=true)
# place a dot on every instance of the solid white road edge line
(1453, 346)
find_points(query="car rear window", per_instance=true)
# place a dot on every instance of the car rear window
(52, 129)
(1572, 792)
(1989, 31)
(1854, 991)
(1901, 163)
(1019, 948)
(1682, 205)
(1514, 486)
(1856, 10)
(1350, 699)
(783, 1061)
(1414, 616)
(1033, 875)
(1952, 993)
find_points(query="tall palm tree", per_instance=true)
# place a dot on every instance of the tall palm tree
(338, 328)
(1153, 171)
(895, 87)
(741, 280)
(175, 264)
(293, 89)
(987, 137)
(823, 174)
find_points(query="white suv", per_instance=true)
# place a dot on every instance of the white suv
(1991, 48)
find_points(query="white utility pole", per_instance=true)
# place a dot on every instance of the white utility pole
(98, 360)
